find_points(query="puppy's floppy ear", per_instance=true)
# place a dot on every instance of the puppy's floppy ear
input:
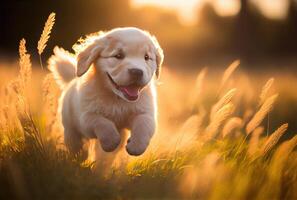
(87, 56)
(159, 56)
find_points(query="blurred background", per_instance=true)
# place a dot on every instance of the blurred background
(193, 33)
(200, 101)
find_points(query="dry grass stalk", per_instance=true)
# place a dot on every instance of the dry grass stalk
(222, 102)
(45, 35)
(260, 115)
(273, 139)
(51, 94)
(199, 80)
(254, 141)
(4, 117)
(25, 64)
(231, 124)
(20, 84)
(190, 124)
(22, 104)
(277, 168)
(188, 130)
(218, 119)
(291, 144)
(265, 91)
(283, 151)
(8, 101)
(32, 134)
(201, 114)
(229, 71)
(198, 87)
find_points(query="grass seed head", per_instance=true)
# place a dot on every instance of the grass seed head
(232, 124)
(25, 64)
(220, 116)
(265, 91)
(222, 102)
(46, 33)
(273, 139)
(229, 71)
(261, 114)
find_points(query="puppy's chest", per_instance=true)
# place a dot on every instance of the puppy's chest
(121, 113)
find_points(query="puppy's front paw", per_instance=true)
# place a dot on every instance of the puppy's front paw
(110, 142)
(136, 148)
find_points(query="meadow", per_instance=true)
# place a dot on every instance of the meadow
(222, 134)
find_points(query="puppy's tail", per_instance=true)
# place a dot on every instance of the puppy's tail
(63, 66)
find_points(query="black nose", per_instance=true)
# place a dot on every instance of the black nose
(136, 74)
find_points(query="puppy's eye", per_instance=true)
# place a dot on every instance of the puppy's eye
(119, 56)
(146, 57)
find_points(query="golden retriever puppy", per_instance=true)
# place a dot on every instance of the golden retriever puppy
(109, 86)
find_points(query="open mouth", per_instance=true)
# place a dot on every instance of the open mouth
(131, 92)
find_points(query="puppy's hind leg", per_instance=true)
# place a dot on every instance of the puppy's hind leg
(73, 140)
(105, 162)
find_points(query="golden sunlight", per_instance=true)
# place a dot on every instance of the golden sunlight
(226, 7)
(188, 11)
(276, 9)
(103, 117)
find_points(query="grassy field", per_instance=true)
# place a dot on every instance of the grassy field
(221, 135)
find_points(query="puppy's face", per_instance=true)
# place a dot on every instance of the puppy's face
(129, 58)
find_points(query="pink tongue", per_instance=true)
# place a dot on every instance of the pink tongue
(131, 91)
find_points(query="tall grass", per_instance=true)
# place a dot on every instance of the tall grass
(213, 151)
(45, 35)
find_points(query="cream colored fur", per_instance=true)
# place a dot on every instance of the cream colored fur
(91, 106)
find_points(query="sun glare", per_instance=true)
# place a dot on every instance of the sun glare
(276, 9)
(226, 7)
(188, 11)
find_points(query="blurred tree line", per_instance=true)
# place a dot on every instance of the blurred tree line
(248, 35)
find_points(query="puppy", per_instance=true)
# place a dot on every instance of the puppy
(108, 86)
